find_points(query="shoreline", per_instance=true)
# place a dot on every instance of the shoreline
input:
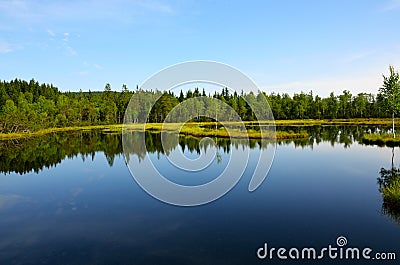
(198, 129)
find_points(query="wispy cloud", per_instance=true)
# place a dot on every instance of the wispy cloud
(10, 5)
(357, 56)
(88, 68)
(66, 36)
(9, 200)
(156, 6)
(391, 5)
(5, 47)
(65, 43)
(71, 51)
(51, 33)
(63, 40)
(18, 9)
(83, 73)
(119, 10)
(87, 64)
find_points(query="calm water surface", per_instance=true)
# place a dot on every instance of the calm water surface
(70, 199)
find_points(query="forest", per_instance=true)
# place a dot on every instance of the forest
(27, 105)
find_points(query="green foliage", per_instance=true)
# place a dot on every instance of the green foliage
(390, 91)
(389, 186)
(30, 106)
(390, 94)
(392, 192)
(381, 139)
(33, 106)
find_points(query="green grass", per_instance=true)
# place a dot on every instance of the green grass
(381, 139)
(105, 128)
(197, 129)
(391, 194)
(202, 129)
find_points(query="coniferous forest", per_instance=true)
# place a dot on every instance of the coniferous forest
(29, 106)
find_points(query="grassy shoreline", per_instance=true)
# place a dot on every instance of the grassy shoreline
(381, 140)
(199, 129)
(391, 195)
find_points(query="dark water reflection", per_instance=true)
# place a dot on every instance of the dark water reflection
(35, 153)
(69, 198)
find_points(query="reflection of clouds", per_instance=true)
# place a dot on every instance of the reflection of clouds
(9, 200)
(15, 239)
(71, 203)
(76, 191)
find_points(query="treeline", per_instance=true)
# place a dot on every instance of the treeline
(27, 106)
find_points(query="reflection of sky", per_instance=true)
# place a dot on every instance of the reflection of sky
(87, 212)
(9, 200)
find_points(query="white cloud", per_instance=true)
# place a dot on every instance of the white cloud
(156, 6)
(66, 36)
(4, 47)
(65, 43)
(13, 5)
(83, 73)
(391, 5)
(49, 11)
(19, 9)
(71, 51)
(50, 32)
(357, 56)
(88, 68)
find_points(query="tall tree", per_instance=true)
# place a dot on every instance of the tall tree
(390, 91)
(107, 88)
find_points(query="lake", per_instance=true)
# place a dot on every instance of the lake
(69, 198)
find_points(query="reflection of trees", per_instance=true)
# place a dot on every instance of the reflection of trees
(35, 153)
(389, 186)
(335, 134)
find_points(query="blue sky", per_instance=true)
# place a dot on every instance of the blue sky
(284, 46)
